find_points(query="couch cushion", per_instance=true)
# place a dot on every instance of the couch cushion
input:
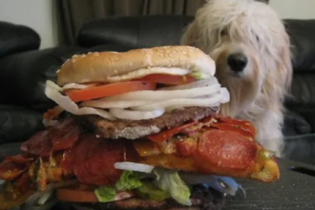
(295, 124)
(17, 38)
(302, 35)
(302, 90)
(135, 32)
(18, 123)
(23, 75)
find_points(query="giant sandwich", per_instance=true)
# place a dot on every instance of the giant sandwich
(136, 130)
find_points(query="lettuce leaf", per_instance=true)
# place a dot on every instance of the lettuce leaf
(129, 180)
(105, 194)
(197, 75)
(151, 192)
(170, 181)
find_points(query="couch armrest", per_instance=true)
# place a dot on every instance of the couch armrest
(23, 75)
(18, 123)
(17, 38)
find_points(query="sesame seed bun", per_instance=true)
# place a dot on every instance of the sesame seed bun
(101, 66)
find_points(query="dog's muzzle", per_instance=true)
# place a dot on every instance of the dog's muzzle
(237, 62)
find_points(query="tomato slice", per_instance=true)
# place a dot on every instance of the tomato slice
(109, 90)
(168, 79)
(72, 195)
(164, 135)
(87, 195)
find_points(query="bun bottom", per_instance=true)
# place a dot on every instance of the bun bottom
(202, 199)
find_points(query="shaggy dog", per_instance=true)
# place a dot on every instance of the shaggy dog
(251, 48)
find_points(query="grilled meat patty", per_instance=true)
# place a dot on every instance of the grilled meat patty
(202, 198)
(137, 129)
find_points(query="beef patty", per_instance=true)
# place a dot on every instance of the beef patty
(136, 129)
(202, 198)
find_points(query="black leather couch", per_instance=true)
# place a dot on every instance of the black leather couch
(24, 69)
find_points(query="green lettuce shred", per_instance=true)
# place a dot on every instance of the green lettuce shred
(197, 75)
(170, 181)
(167, 184)
(129, 180)
(151, 192)
(105, 194)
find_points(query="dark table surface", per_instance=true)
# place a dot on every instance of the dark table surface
(294, 190)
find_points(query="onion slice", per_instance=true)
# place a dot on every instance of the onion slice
(135, 115)
(67, 104)
(207, 102)
(225, 96)
(130, 166)
(165, 94)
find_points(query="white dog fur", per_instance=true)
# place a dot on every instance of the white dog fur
(222, 27)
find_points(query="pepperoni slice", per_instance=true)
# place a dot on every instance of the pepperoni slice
(95, 159)
(225, 149)
(39, 144)
(64, 135)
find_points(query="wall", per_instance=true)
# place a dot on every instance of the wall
(37, 14)
(294, 9)
(41, 16)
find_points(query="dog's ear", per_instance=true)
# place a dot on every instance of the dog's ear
(286, 68)
(279, 79)
(190, 35)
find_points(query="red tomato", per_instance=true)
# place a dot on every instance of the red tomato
(164, 135)
(109, 90)
(168, 79)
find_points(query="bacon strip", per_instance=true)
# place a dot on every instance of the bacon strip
(13, 166)
(60, 137)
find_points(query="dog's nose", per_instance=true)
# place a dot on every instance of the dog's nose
(237, 62)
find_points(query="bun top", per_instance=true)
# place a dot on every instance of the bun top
(100, 66)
